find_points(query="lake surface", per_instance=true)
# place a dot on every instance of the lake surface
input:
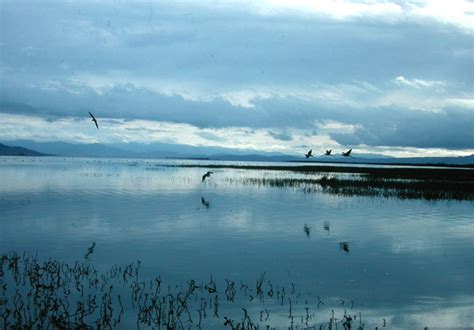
(408, 263)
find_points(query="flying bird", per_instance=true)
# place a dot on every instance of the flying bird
(309, 154)
(94, 120)
(328, 152)
(347, 153)
(206, 175)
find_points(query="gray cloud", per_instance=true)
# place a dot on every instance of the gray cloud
(453, 129)
(280, 135)
(236, 66)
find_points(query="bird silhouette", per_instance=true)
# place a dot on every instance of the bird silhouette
(347, 153)
(94, 120)
(206, 175)
(309, 154)
(328, 152)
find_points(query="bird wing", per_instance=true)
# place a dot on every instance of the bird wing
(94, 120)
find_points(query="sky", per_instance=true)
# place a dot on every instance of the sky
(388, 77)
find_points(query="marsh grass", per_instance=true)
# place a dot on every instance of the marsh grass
(56, 295)
(430, 184)
(369, 186)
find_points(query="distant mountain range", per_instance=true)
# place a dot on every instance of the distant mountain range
(18, 151)
(177, 151)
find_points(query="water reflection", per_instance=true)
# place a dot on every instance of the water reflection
(205, 203)
(326, 226)
(344, 246)
(307, 230)
(90, 250)
(408, 259)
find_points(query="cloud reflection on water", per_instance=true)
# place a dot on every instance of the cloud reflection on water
(59, 207)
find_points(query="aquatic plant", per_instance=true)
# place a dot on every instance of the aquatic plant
(54, 294)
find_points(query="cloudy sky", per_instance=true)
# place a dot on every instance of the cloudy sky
(392, 77)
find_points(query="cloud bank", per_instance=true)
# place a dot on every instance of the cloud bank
(375, 75)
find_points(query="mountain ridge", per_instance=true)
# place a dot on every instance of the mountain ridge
(176, 151)
(6, 150)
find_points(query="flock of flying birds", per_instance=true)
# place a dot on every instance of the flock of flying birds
(328, 153)
(208, 174)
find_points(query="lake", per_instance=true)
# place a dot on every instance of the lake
(394, 262)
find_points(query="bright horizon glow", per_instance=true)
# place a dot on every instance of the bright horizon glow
(113, 131)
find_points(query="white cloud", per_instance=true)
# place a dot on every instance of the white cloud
(418, 83)
(458, 13)
(467, 103)
(335, 9)
(352, 94)
(244, 98)
(455, 12)
(421, 94)
(331, 126)
(81, 130)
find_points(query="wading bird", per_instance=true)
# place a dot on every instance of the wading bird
(309, 154)
(328, 152)
(94, 120)
(207, 174)
(347, 153)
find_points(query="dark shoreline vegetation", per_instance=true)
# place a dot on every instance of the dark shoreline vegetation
(405, 183)
(431, 191)
(54, 294)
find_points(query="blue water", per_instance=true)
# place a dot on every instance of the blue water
(410, 262)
